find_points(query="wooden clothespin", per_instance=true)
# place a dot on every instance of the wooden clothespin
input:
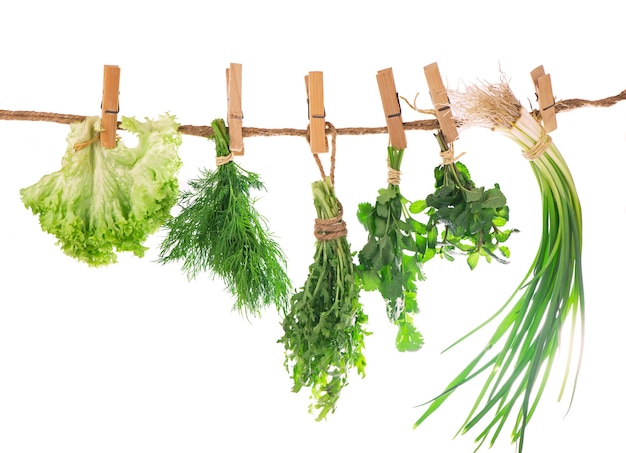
(543, 89)
(317, 122)
(110, 106)
(235, 115)
(391, 107)
(441, 102)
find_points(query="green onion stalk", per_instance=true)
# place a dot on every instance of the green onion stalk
(520, 354)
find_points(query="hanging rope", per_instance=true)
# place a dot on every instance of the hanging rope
(207, 131)
(329, 229)
(333, 133)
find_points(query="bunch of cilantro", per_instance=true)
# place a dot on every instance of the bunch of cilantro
(390, 262)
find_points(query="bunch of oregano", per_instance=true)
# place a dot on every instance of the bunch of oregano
(324, 328)
(220, 231)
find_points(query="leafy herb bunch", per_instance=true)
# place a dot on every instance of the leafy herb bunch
(220, 231)
(390, 262)
(472, 217)
(324, 329)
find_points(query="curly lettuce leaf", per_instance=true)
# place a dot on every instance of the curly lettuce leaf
(104, 201)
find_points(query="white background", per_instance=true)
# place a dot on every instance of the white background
(134, 358)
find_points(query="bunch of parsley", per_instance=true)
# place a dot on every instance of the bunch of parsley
(324, 328)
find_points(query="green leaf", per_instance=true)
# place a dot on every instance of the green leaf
(382, 209)
(409, 244)
(418, 206)
(396, 207)
(439, 175)
(410, 302)
(493, 198)
(408, 338)
(481, 221)
(377, 260)
(418, 227)
(464, 247)
(447, 256)
(370, 280)
(369, 249)
(505, 251)
(460, 224)
(380, 227)
(502, 236)
(403, 226)
(474, 194)
(432, 238)
(444, 196)
(363, 212)
(472, 260)
(387, 250)
(391, 287)
(386, 195)
(463, 170)
(499, 221)
(428, 254)
(422, 243)
(503, 212)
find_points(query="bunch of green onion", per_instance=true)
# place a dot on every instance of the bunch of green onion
(520, 354)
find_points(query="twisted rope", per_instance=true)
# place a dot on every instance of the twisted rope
(329, 229)
(207, 131)
(448, 157)
(393, 175)
(539, 147)
(221, 160)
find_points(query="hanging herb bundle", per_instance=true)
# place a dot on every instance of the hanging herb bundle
(390, 262)
(324, 328)
(220, 231)
(532, 332)
(472, 217)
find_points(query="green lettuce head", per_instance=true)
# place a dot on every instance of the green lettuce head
(104, 201)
